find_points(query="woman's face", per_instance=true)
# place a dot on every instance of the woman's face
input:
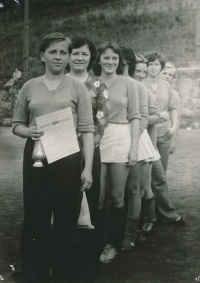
(80, 59)
(56, 57)
(140, 71)
(154, 68)
(167, 74)
(109, 61)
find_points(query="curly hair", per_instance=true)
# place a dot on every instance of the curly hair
(153, 55)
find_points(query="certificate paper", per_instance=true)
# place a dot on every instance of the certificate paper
(59, 139)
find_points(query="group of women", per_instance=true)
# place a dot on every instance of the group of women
(125, 117)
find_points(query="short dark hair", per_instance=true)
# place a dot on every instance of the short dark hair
(51, 38)
(153, 55)
(101, 49)
(130, 59)
(78, 42)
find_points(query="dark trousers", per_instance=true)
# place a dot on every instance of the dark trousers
(90, 241)
(166, 209)
(52, 188)
(164, 146)
(93, 193)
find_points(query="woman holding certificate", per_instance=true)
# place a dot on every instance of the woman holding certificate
(119, 145)
(54, 187)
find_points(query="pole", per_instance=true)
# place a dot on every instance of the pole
(198, 31)
(26, 38)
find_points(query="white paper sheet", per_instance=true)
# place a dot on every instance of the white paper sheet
(59, 139)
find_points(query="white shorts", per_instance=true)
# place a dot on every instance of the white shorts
(115, 143)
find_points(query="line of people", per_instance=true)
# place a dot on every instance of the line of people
(126, 119)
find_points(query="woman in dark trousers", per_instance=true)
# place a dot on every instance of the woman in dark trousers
(54, 188)
(80, 63)
(166, 128)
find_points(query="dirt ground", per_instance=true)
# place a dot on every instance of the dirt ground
(171, 254)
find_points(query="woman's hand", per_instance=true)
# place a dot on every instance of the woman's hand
(34, 133)
(171, 131)
(86, 178)
(173, 147)
(164, 115)
(133, 155)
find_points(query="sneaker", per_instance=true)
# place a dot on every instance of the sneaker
(140, 239)
(128, 245)
(109, 253)
(147, 228)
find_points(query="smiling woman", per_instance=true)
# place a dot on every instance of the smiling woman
(82, 56)
(54, 188)
(118, 146)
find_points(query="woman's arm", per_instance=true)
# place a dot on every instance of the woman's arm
(173, 117)
(154, 114)
(153, 119)
(88, 147)
(135, 133)
(143, 106)
(28, 132)
(173, 142)
(134, 119)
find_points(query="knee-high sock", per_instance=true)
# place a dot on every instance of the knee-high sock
(150, 209)
(131, 228)
(142, 212)
(115, 225)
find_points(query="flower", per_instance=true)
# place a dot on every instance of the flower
(97, 84)
(99, 114)
(105, 94)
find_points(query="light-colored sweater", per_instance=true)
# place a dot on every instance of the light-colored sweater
(35, 100)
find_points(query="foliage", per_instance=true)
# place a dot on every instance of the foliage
(166, 26)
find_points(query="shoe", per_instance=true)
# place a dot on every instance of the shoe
(147, 228)
(108, 255)
(128, 245)
(140, 239)
(180, 221)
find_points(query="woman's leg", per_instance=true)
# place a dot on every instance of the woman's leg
(149, 207)
(164, 150)
(134, 206)
(133, 190)
(118, 173)
(37, 220)
(104, 170)
(161, 193)
(66, 184)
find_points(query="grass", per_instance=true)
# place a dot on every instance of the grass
(166, 26)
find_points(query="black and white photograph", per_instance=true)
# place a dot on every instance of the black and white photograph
(99, 141)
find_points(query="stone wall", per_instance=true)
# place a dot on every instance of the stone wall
(187, 84)
(8, 96)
